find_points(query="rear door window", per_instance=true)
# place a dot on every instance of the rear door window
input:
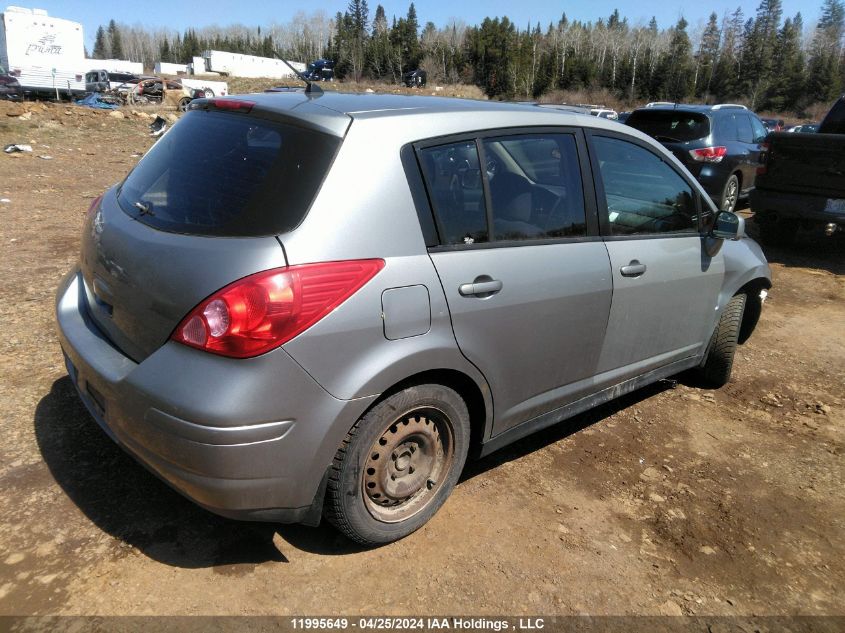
(644, 195)
(228, 174)
(758, 129)
(670, 126)
(535, 187)
(533, 182)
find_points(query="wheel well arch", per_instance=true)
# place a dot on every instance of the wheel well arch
(738, 175)
(753, 306)
(466, 387)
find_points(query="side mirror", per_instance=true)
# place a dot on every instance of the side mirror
(728, 226)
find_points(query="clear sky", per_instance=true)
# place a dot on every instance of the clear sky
(180, 14)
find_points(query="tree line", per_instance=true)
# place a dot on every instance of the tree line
(764, 60)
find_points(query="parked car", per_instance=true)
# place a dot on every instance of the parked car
(801, 184)
(415, 78)
(720, 144)
(10, 87)
(773, 125)
(604, 113)
(276, 341)
(804, 128)
(623, 116)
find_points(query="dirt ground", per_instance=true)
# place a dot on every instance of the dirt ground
(669, 501)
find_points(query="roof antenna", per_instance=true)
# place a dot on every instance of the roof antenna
(310, 88)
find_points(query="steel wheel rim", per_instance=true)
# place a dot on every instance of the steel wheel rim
(730, 197)
(408, 464)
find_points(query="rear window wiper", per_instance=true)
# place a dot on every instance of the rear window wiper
(145, 209)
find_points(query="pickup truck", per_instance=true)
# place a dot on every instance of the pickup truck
(801, 182)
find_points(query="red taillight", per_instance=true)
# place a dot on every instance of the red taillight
(94, 203)
(260, 312)
(709, 154)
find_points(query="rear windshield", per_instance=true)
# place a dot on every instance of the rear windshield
(670, 126)
(228, 174)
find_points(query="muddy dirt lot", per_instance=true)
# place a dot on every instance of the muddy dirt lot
(681, 501)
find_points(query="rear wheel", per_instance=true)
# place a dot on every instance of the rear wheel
(398, 464)
(730, 194)
(183, 104)
(716, 370)
(209, 93)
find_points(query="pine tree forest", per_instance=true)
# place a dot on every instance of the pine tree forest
(767, 60)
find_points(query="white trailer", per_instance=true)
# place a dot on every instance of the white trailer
(240, 65)
(46, 54)
(115, 66)
(166, 68)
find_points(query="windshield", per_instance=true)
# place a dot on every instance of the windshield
(228, 174)
(672, 126)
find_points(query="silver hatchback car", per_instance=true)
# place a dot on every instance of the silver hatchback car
(299, 305)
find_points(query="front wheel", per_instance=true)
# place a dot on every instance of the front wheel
(716, 370)
(398, 464)
(184, 102)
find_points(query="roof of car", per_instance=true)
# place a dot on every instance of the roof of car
(331, 111)
(692, 107)
(351, 104)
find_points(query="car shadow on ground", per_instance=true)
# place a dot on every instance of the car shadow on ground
(810, 249)
(127, 502)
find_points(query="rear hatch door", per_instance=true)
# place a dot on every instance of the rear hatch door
(202, 209)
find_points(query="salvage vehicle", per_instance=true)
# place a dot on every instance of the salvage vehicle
(165, 91)
(10, 87)
(720, 144)
(284, 318)
(801, 182)
(102, 80)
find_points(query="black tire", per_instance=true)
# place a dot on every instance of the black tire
(716, 370)
(730, 194)
(209, 93)
(418, 414)
(184, 102)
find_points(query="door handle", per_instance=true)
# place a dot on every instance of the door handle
(480, 287)
(634, 269)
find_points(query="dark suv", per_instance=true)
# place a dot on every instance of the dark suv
(720, 145)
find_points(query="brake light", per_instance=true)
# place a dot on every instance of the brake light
(94, 204)
(238, 105)
(709, 154)
(263, 311)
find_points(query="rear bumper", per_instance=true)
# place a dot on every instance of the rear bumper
(247, 439)
(773, 205)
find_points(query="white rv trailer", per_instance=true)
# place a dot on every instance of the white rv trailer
(115, 66)
(240, 65)
(46, 54)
